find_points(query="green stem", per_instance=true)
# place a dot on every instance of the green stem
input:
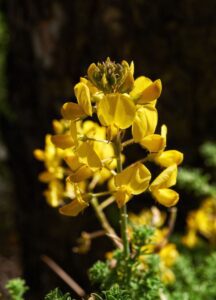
(123, 209)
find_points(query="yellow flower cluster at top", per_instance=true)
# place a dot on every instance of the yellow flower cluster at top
(87, 146)
(201, 224)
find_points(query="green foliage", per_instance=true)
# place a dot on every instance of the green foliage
(16, 288)
(138, 277)
(114, 293)
(194, 180)
(195, 277)
(99, 272)
(208, 150)
(56, 294)
(141, 235)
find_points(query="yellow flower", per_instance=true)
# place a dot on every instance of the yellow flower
(116, 109)
(72, 111)
(76, 205)
(83, 164)
(154, 143)
(55, 193)
(160, 187)
(169, 254)
(145, 122)
(167, 276)
(145, 90)
(78, 171)
(82, 94)
(52, 158)
(202, 222)
(92, 89)
(88, 156)
(60, 126)
(169, 157)
(133, 180)
(62, 141)
(190, 239)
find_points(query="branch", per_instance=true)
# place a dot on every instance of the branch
(63, 275)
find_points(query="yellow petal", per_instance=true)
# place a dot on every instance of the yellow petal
(74, 208)
(88, 156)
(73, 162)
(116, 109)
(74, 133)
(54, 193)
(151, 93)
(81, 174)
(39, 154)
(82, 94)
(140, 180)
(166, 197)
(128, 83)
(145, 122)
(62, 141)
(166, 179)
(168, 158)
(122, 196)
(46, 176)
(154, 143)
(135, 177)
(93, 90)
(72, 111)
(169, 254)
(164, 131)
(140, 84)
(132, 68)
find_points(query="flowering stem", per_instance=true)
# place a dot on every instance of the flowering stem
(123, 209)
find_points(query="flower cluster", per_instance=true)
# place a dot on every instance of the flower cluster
(87, 147)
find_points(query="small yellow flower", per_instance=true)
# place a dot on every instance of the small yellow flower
(190, 239)
(169, 254)
(133, 180)
(160, 187)
(84, 163)
(169, 157)
(62, 141)
(154, 143)
(145, 122)
(145, 90)
(82, 94)
(55, 193)
(72, 111)
(116, 109)
(76, 205)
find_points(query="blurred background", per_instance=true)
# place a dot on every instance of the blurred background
(45, 46)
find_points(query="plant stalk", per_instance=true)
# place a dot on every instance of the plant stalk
(123, 209)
